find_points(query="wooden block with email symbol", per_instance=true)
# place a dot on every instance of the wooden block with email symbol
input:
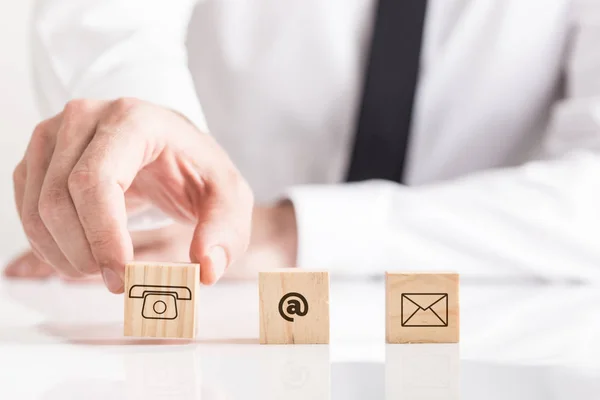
(422, 307)
(160, 299)
(294, 307)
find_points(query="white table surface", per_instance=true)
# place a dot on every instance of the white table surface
(60, 341)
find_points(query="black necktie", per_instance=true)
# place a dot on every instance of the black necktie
(384, 122)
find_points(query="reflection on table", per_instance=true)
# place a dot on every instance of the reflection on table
(520, 343)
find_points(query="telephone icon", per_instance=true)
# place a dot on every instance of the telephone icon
(160, 302)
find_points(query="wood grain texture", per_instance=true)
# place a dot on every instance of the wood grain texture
(422, 307)
(160, 299)
(283, 288)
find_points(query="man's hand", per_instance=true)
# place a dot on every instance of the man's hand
(272, 245)
(87, 166)
(170, 243)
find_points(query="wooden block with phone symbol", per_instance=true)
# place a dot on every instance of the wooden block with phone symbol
(294, 307)
(160, 299)
(422, 307)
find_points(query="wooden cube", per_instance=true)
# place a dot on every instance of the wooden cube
(160, 299)
(294, 307)
(422, 307)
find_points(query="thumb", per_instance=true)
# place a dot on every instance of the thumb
(222, 232)
(28, 266)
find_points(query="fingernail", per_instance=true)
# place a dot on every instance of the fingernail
(112, 281)
(218, 261)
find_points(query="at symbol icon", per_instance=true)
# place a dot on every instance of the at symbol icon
(294, 306)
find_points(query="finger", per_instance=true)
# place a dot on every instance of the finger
(95, 278)
(38, 156)
(223, 228)
(19, 179)
(56, 206)
(118, 150)
(28, 266)
(122, 146)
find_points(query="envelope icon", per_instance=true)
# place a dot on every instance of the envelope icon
(424, 309)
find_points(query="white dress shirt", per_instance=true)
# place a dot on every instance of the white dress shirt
(503, 166)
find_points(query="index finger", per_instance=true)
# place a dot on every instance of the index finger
(97, 186)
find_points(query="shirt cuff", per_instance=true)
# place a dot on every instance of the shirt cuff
(339, 226)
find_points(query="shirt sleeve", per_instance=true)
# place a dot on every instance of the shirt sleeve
(108, 49)
(539, 220)
(114, 48)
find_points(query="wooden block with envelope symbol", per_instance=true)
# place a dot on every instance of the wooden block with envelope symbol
(422, 307)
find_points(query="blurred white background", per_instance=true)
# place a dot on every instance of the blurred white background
(18, 113)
